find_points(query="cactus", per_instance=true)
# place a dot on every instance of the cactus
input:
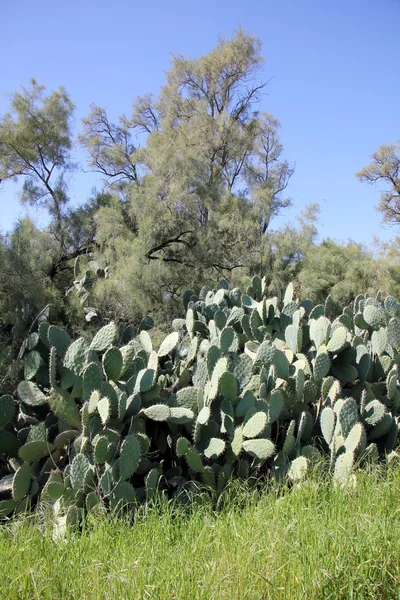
(80, 467)
(239, 370)
(379, 341)
(356, 439)
(104, 409)
(348, 416)
(55, 487)
(21, 482)
(33, 362)
(30, 394)
(151, 483)
(9, 443)
(7, 410)
(194, 460)
(298, 468)
(213, 355)
(65, 408)
(180, 415)
(242, 369)
(190, 397)
(228, 340)
(145, 380)
(274, 406)
(214, 448)
(261, 449)
(254, 425)
(281, 364)
(393, 333)
(104, 338)
(319, 328)
(373, 316)
(129, 457)
(33, 451)
(77, 356)
(112, 363)
(328, 423)
(158, 412)
(294, 338)
(169, 344)
(59, 339)
(343, 467)
(220, 368)
(182, 446)
(381, 428)
(337, 340)
(322, 364)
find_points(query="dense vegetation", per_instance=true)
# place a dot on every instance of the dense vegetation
(97, 411)
(193, 182)
(244, 386)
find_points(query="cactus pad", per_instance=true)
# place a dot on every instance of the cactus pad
(158, 412)
(113, 363)
(255, 425)
(129, 457)
(104, 338)
(259, 449)
(7, 410)
(21, 482)
(30, 394)
(169, 344)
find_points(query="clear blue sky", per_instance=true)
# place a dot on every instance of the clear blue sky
(335, 88)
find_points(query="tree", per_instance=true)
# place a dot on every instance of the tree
(110, 147)
(35, 143)
(25, 286)
(385, 167)
(346, 270)
(198, 171)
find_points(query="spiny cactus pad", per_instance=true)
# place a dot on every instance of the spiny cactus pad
(112, 363)
(158, 412)
(129, 457)
(33, 451)
(259, 449)
(104, 338)
(255, 425)
(30, 394)
(7, 410)
(169, 344)
(21, 482)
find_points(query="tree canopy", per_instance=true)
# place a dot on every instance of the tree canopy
(193, 180)
(385, 168)
(198, 171)
(35, 143)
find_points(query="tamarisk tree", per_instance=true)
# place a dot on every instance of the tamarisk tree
(198, 171)
(385, 168)
(35, 144)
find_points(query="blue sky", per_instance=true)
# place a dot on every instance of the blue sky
(335, 81)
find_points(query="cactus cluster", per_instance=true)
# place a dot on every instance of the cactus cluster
(244, 384)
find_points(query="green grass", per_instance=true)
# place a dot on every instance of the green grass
(311, 542)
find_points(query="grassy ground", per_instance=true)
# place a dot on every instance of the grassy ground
(314, 542)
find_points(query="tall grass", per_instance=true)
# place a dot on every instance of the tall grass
(314, 541)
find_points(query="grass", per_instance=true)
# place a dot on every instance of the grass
(312, 542)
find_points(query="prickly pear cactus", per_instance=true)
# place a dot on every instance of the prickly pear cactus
(243, 385)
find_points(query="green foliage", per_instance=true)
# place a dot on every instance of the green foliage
(35, 142)
(217, 401)
(243, 384)
(385, 167)
(341, 270)
(198, 177)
